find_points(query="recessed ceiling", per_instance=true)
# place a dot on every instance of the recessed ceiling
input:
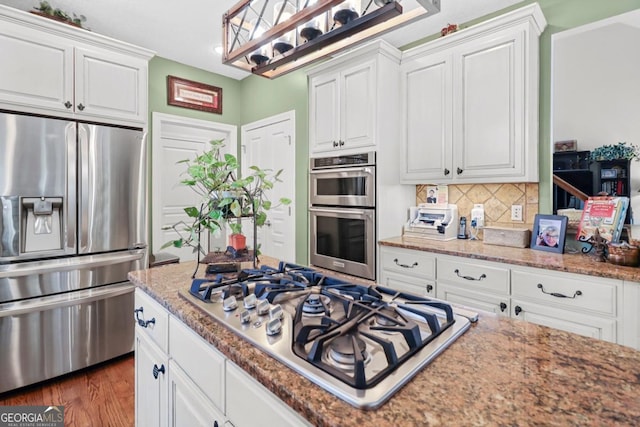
(188, 31)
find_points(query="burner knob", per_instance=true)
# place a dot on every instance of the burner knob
(245, 316)
(262, 307)
(250, 301)
(229, 304)
(276, 312)
(274, 327)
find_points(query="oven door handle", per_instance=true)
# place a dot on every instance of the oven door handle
(342, 171)
(342, 211)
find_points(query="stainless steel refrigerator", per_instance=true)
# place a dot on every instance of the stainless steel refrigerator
(72, 225)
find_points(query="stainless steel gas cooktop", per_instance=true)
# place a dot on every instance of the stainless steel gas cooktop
(360, 342)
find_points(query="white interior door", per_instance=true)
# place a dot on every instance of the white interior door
(270, 144)
(177, 138)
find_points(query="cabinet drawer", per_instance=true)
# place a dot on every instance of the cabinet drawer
(201, 362)
(474, 300)
(407, 261)
(151, 319)
(403, 283)
(474, 275)
(567, 290)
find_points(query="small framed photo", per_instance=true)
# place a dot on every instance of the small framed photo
(549, 232)
(569, 145)
(197, 96)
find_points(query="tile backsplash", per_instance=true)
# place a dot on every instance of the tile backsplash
(496, 198)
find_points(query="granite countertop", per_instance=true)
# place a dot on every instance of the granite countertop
(573, 263)
(500, 372)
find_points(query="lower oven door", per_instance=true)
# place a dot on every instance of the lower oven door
(344, 240)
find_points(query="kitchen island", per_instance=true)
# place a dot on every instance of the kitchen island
(501, 371)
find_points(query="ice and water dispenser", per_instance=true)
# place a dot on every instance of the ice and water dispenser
(41, 224)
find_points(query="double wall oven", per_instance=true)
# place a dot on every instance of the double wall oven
(342, 195)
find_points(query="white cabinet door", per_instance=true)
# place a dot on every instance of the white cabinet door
(187, 405)
(109, 84)
(489, 106)
(250, 404)
(37, 69)
(492, 303)
(324, 112)
(357, 106)
(579, 323)
(342, 109)
(426, 94)
(151, 383)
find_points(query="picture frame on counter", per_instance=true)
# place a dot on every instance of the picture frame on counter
(194, 95)
(568, 145)
(549, 233)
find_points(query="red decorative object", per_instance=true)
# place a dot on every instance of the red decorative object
(450, 28)
(238, 241)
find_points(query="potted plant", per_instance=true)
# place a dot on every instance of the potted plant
(619, 151)
(225, 198)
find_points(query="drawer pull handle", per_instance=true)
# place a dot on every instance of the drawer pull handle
(157, 371)
(557, 295)
(415, 264)
(142, 322)
(503, 307)
(482, 276)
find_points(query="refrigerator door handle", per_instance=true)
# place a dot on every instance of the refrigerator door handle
(71, 136)
(64, 300)
(83, 185)
(85, 262)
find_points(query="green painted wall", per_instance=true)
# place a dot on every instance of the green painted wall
(256, 98)
(160, 68)
(263, 98)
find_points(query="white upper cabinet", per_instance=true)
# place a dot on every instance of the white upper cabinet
(345, 98)
(470, 103)
(56, 69)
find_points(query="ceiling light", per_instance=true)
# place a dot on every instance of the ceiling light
(274, 37)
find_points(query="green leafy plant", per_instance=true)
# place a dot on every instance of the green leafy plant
(225, 197)
(60, 15)
(619, 151)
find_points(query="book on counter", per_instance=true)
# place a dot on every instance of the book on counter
(604, 213)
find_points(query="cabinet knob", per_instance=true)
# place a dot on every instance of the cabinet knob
(68, 104)
(429, 288)
(80, 107)
(447, 171)
(459, 171)
(518, 310)
(503, 307)
(157, 371)
(335, 143)
(341, 143)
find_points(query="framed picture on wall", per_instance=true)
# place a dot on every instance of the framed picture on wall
(197, 96)
(549, 232)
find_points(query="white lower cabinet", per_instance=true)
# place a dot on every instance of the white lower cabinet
(408, 270)
(597, 307)
(182, 380)
(151, 383)
(249, 403)
(188, 406)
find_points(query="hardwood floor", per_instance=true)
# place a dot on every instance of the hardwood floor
(101, 395)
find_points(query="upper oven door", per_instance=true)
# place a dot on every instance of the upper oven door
(343, 187)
